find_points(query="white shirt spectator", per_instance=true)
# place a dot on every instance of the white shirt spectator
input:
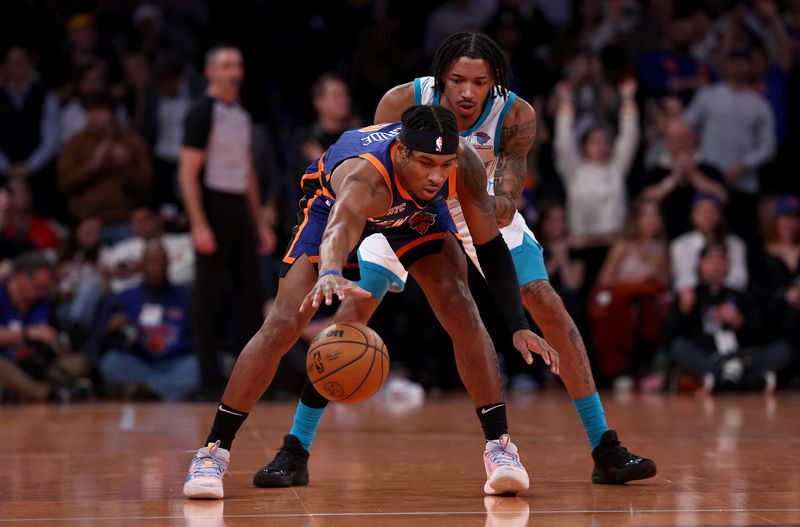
(596, 193)
(180, 253)
(684, 252)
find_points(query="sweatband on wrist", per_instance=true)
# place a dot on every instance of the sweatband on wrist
(330, 271)
(436, 143)
(498, 269)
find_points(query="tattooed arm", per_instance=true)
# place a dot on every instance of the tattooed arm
(494, 258)
(519, 132)
(479, 212)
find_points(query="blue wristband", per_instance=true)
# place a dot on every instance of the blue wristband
(330, 271)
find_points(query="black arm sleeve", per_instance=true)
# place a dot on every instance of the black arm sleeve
(498, 268)
(197, 123)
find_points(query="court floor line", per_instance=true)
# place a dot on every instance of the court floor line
(127, 420)
(629, 512)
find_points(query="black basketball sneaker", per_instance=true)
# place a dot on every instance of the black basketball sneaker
(288, 468)
(614, 465)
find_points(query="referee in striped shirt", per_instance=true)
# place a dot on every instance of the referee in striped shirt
(220, 192)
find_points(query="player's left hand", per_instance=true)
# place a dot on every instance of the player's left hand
(527, 341)
(329, 285)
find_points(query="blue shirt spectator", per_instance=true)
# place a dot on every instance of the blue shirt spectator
(14, 319)
(161, 318)
(149, 336)
(34, 363)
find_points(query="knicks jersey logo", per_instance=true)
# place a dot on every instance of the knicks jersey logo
(422, 221)
(482, 137)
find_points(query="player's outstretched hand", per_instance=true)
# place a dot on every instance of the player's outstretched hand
(329, 285)
(527, 341)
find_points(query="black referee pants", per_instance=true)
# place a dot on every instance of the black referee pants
(234, 263)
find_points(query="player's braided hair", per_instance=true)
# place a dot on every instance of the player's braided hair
(430, 118)
(474, 46)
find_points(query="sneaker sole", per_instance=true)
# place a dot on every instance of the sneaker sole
(644, 471)
(506, 482)
(271, 481)
(201, 492)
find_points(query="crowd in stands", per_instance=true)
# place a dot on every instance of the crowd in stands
(662, 185)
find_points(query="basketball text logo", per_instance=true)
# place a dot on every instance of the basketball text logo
(396, 210)
(378, 136)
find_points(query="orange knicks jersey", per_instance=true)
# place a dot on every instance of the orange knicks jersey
(406, 224)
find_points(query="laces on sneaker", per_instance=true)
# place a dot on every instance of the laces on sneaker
(207, 464)
(616, 450)
(281, 460)
(504, 457)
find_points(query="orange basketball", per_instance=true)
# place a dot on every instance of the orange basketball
(347, 363)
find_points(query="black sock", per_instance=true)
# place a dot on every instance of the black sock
(311, 397)
(493, 420)
(226, 424)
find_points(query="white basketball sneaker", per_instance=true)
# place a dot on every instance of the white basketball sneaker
(504, 471)
(209, 465)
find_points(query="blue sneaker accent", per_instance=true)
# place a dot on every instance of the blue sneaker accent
(593, 418)
(306, 422)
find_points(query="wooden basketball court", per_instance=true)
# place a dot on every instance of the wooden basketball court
(731, 460)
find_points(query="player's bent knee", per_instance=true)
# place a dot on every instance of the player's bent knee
(541, 300)
(282, 321)
(457, 311)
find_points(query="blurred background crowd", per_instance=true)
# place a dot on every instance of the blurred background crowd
(671, 231)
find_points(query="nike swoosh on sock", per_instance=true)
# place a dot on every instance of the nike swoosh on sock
(221, 409)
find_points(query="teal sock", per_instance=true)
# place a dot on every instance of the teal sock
(593, 418)
(306, 421)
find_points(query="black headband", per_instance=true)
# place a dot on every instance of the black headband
(436, 143)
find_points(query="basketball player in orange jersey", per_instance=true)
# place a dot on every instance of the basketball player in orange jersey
(394, 178)
(470, 75)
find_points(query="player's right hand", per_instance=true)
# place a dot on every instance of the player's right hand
(329, 285)
(527, 341)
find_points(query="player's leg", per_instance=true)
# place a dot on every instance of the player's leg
(252, 374)
(256, 365)
(381, 271)
(613, 464)
(442, 277)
